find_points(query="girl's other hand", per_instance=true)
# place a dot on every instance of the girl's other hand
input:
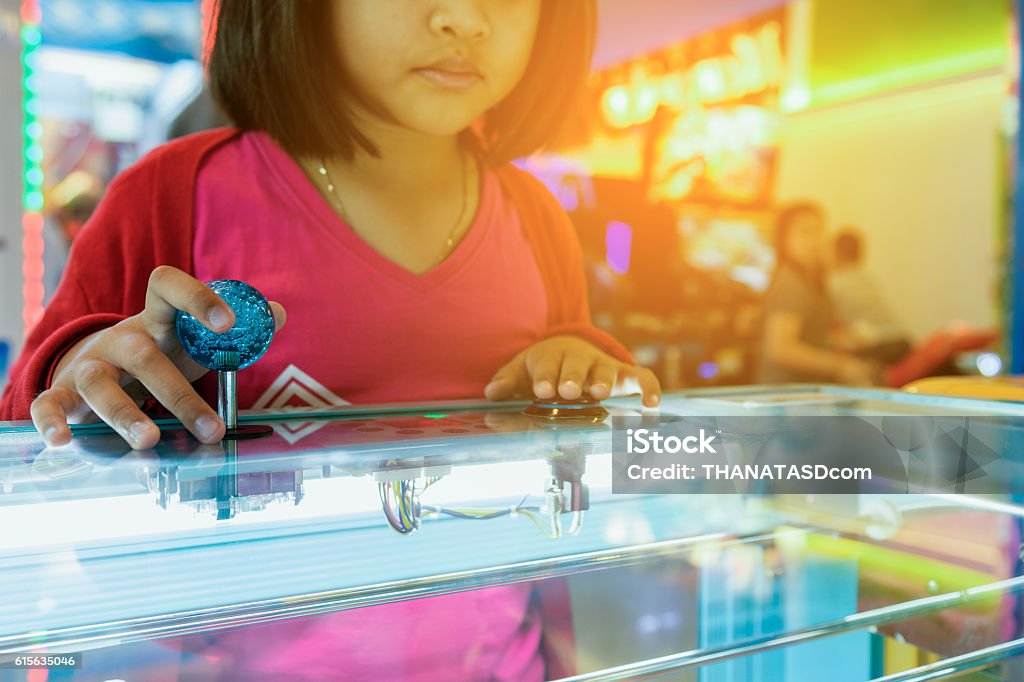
(567, 367)
(98, 376)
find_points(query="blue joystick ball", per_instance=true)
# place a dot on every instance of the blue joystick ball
(240, 346)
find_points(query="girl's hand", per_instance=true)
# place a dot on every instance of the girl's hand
(98, 376)
(575, 367)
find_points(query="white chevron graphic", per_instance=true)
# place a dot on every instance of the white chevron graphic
(294, 386)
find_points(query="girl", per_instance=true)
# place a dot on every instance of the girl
(367, 189)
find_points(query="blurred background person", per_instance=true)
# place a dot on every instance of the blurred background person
(71, 202)
(812, 333)
(797, 342)
(870, 328)
(867, 328)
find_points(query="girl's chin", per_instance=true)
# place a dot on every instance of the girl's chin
(441, 120)
(448, 128)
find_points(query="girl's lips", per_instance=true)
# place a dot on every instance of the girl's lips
(454, 80)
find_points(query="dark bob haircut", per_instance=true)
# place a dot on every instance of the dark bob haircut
(268, 72)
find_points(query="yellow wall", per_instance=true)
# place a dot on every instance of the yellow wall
(919, 172)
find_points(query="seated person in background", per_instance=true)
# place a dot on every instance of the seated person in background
(871, 330)
(796, 343)
(802, 338)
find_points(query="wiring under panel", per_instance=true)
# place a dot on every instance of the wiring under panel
(404, 511)
(565, 493)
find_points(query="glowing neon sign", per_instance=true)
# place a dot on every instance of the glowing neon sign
(753, 64)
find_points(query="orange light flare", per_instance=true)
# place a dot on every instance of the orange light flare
(32, 268)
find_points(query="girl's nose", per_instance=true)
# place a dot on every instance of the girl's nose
(461, 20)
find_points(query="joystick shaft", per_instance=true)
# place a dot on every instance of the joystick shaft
(227, 398)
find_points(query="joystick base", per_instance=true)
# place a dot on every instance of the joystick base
(248, 432)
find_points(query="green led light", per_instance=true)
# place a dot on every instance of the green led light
(34, 201)
(435, 415)
(31, 35)
(34, 176)
(34, 153)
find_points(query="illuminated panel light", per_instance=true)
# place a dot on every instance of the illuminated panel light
(796, 99)
(707, 370)
(108, 70)
(618, 242)
(989, 364)
(32, 197)
(616, 105)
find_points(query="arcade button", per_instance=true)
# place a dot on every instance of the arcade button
(558, 410)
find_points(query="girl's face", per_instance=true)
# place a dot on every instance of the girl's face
(433, 66)
(805, 241)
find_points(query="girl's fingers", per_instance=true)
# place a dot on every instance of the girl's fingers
(280, 316)
(602, 380)
(564, 370)
(97, 383)
(50, 412)
(171, 290)
(544, 365)
(500, 388)
(509, 380)
(647, 382)
(169, 386)
(575, 369)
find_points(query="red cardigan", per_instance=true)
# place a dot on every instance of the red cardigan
(145, 220)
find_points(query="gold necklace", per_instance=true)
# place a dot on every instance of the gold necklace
(449, 243)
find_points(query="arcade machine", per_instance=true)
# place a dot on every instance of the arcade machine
(128, 564)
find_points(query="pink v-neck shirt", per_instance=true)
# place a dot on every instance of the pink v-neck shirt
(361, 329)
